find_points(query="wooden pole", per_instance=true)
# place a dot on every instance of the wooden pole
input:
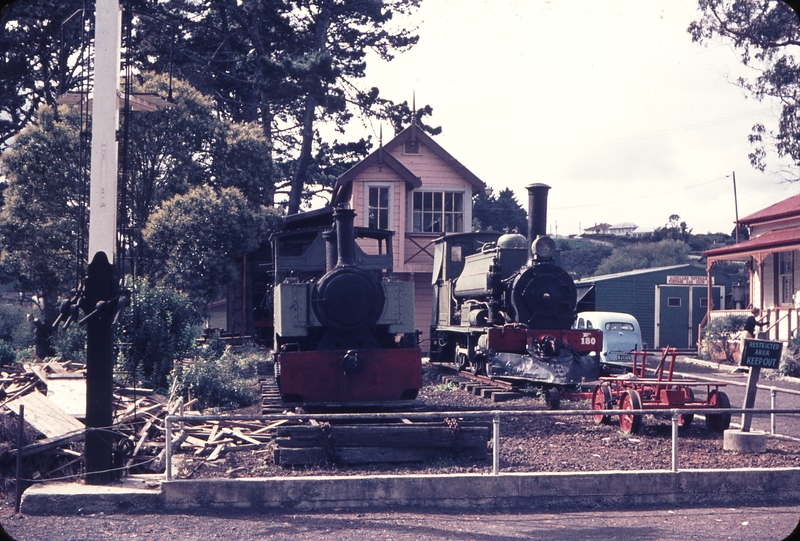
(736, 206)
(20, 445)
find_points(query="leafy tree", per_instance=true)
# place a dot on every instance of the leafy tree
(195, 238)
(644, 256)
(709, 241)
(581, 257)
(765, 34)
(286, 64)
(674, 229)
(40, 225)
(41, 53)
(490, 213)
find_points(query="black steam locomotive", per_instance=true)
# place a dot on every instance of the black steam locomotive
(504, 308)
(344, 331)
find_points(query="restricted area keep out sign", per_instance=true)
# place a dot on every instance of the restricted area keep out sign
(761, 353)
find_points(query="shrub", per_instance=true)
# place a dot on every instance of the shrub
(7, 353)
(227, 382)
(14, 325)
(790, 359)
(719, 341)
(70, 343)
(162, 325)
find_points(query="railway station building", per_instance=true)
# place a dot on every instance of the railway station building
(772, 257)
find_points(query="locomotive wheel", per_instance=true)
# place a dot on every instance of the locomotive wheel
(462, 361)
(718, 422)
(552, 399)
(479, 366)
(685, 419)
(601, 400)
(630, 423)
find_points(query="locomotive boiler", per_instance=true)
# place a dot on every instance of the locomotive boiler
(344, 331)
(504, 308)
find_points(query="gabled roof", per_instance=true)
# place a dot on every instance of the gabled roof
(782, 209)
(592, 279)
(341, 190)
(772, 241)
(415, 132)
(382, 156)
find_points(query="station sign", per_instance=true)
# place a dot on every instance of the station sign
(687, 280)
(761, 353)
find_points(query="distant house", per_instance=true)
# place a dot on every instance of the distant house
(598, 229)
(624, 229)
(771, 255)
(641, 233)
(411, 185)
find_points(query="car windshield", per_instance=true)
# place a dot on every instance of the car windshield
(615, 326)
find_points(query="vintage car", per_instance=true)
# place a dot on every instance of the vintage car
(621, 336)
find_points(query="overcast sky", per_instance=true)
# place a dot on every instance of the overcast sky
(608, 101)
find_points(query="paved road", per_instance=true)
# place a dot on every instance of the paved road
(711, 524)
(784, 424)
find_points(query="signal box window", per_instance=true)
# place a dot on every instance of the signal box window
(674, 302)
(411, 146)
(438, 212)
(378, 207)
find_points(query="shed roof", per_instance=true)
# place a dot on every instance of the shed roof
(636, 272)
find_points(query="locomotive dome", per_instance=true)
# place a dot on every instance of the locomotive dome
(512, 240)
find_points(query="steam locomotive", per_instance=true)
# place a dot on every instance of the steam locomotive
(344, 331)
(504, 308)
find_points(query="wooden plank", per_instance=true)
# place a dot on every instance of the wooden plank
(386, 436)
(371, 455)
(276, 424)
(238, 433)
(45, 416)
(216, 452)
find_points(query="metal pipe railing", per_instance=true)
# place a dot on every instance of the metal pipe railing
(494, 415)
(773, 392)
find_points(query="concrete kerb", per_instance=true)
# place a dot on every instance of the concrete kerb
(593, 490)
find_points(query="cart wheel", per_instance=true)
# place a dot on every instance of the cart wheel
(685, 419)
(552, 398)
(630, 423)
(718, 422)
(462, 361)
(601, 400)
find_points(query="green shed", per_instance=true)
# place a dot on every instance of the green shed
(669, 302)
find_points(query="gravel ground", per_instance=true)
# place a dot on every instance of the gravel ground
(527, 444)
(668, 524)
(544, 444)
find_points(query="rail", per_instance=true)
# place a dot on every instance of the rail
(494, 415)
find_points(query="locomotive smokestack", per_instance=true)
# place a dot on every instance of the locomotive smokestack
(537, 212)
(345, 240)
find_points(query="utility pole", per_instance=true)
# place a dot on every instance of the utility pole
(735, 206)
(101, 294)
